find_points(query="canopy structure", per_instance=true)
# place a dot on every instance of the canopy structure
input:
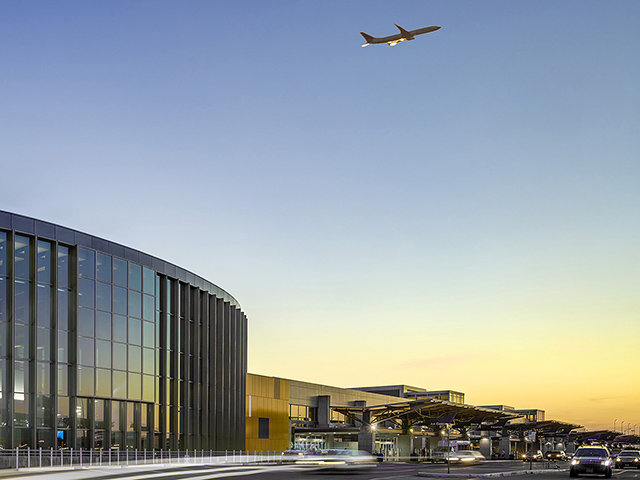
(426, 412)
(550, 428)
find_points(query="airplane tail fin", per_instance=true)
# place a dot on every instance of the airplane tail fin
(403, 32)
(368, 38)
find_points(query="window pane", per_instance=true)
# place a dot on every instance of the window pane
(4, 341)
(44, 262)
(148, 361)
(3, 253)
(44, 410)
(120, 300)
(43, 381)
(43, 344)
(21, 299)
(86, 351)
(86, 263)
(3, 300)
(63, 380)
(103, 264)
(62, 412)
(63, 347)
(148, 388)
(103, 296)
(135, 386)
(135, 331)
(63, 309)
(21, 254)
(98, 413)
(119, 356)
(44, 305)
(120, 328)
(103, 325)
(148, 281)
(21, 411)
(135, 359)
(20, 376)
(63, 266)
(86, 382)
(135, 276)
(86, 292)
(103, 354)
(21, 349)
(119, 388)
(103, 385)
(120, 272)
(86, 322)
(135, 304)
(148, 307)
(148, 334)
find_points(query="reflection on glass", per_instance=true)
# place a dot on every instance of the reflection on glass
(3, 253)
(135, 331)
(86, 292)
(86, 263)
(148, 307)
(135, 276)
(44, 262)
(43, 344)
(63, 347)
(103, 296)
(103, 264)
(63, 309)
(21, 410)
(119, 384)
(86, 382)
(21, 348)
(43, 382)
(148, 361)
(135, 359)
(4, 340)
(43, 313)
(103, 383)
(63, 266)
(86, 322)
(86, 351)
(82, 412)
(21, 255)
(103, 354)
(120, 272)
(135, 304)
(119, 328)
(44, 410)
(135, 386)
(62, 413)
(21, 302)
(148, 281)
(120, 300)
(3, 300)
(148, 388)
(103, 325)
(119, 356)
(148, 334)
(98, 413)
(20, 376)
(63, 380)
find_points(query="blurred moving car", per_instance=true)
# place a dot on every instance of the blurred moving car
(628, 458)
(440, 454)
(466, 457)
(591, 460)
(557, 455)
(336, 459)
(533, 456)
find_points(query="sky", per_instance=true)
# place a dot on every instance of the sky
(458, 212)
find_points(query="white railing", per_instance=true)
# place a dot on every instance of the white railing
(85, 458)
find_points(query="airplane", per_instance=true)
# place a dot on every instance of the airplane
(398, 37)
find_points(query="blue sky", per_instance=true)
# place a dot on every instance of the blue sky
(434, 213)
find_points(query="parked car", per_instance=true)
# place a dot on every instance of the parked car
(628, 458)
(533, 456)
(591, 460)
(557, 455)
(466, 457)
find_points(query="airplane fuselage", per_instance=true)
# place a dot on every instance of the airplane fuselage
(404, 35)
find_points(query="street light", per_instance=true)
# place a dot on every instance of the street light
(614, 424)
(622, 427)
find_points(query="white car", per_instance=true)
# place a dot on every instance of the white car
(466, 457)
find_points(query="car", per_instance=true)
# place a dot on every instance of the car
(466, 457)
(533, 456)
(441, 454)
(337, 459)
(628, 458)
(591, 460)
(558, 455)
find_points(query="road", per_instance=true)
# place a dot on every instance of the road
(384, 471)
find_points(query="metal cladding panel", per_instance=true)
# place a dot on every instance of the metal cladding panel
(24, 225)
(100, 244)
(45, 229)
(131, 254)
(116, 250)
(65, 235)
(84, 240)
(6, 220)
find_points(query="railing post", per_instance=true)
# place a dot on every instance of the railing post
(71, 456)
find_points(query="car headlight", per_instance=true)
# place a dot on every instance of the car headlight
(574, 462)
(606, 462)
(618, 460)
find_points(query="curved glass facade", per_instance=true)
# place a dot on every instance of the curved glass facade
(103, 346)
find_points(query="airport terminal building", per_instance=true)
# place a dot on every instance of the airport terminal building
(104, 346)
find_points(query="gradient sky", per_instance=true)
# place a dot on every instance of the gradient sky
(457, 212)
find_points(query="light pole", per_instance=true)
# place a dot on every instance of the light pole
(614, 424)
(622, 427)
